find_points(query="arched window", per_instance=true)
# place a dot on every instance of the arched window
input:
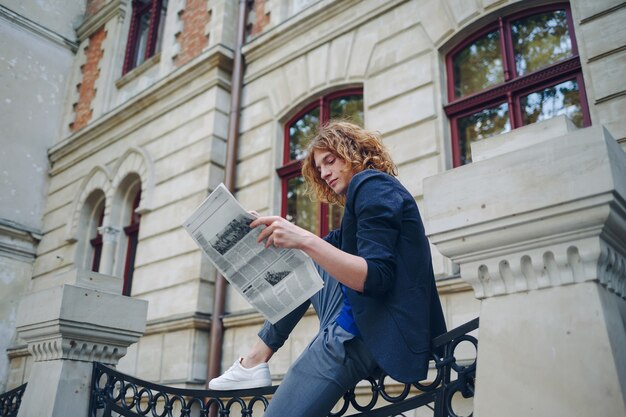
(296, 205)
(132, 234)
(92, 219)
(521, 69)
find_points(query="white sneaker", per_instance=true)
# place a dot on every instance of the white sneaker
(237, 377)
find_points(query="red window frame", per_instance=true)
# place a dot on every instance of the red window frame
(132, 234)
(514, 87)
(140, 9)
(293, 168)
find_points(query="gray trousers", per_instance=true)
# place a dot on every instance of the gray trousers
(332, 363)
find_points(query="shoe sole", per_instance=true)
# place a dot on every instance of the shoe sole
(240, 385)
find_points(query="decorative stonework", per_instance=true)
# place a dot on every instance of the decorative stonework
(612, 270)
(76, 323)
(509, 235)
(136, 160)
(97, 179)
(76, 350)
(556, 265)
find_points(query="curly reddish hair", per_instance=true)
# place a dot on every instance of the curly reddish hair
(361, 149)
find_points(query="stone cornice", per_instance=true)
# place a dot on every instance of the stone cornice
(251, 318)
(36, 28)
(66, 339)
(197, 321)
(162, 93)
(304, 23)
(109, 11)
(544, 216)
(81, 324)
(18, 241)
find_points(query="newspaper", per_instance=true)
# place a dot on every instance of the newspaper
(274, 281)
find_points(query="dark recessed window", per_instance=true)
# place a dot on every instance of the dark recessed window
(96, 238)
(132, 234)
(146, 28)
(296, 205)
(522, 69)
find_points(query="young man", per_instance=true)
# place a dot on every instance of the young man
(379, 307)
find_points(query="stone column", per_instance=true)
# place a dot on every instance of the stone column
(110, 236)
(67, 328)
(538, 227)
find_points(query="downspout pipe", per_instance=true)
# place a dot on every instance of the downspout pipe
(217, 325)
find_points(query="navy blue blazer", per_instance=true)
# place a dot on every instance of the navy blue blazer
(399, 311)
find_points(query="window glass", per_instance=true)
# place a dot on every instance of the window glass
(563, 98)
(300, 209)
(482, 124)
(478, 66)
(299, 132)
(335, 213)
(143, 26)
(298, 206)
(528, 64)
(540, 40)
(348, 108)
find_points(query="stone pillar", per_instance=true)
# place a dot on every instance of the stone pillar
(67, 328)
(110, 236)
(538, 227)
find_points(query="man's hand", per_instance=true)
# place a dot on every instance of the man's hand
(282, 233)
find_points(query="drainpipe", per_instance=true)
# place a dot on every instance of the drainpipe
(217, 326)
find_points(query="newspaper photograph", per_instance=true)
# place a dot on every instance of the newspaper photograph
(274, 281)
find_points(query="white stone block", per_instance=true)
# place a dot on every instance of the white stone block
(399, 79)
(391, 51)
(549, 353)
(177, 349)
(338, 57)
(168, 244)
(317, 66)
(402, 111)
(167, 272)
(412, 174)
(611, 115)
(167, 218)
(604, 34)
(414, 142)
(181, 186)
(521, 138)
(436, 21)
(252, 170)
(260, 112)
(463, 10)
(585, 9)
(256, 197)
(607, 74)
(257, 140)
(575, 164)
(192, 156)
(296, 77)
(149, 357)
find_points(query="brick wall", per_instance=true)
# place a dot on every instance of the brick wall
(259, 17)
(193, 37)
(90, 73)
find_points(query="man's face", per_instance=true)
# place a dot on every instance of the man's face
(333, 170)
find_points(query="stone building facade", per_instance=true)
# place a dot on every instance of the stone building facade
(139, 139)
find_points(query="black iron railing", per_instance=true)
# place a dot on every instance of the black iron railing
(114, 392)
(10, 401)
